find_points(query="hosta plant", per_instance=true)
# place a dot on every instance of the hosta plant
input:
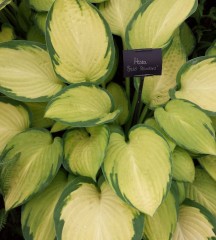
(78, 154)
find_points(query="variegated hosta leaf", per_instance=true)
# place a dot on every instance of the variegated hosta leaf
(82, 105)
(139, 170)
(155, 22)
(120, 100)
(187, 38)
(40, 21)
(211, 51)
(29, 162)
(194, 223)
(153, 124)
(86, 211)
(41, 6)
(183, 166)
(26, 72)
(188, 126)
(163, 223)
(118, 13)
(203, 190)
(38, 110)
(14, 118)
(4, 3)
(84, 150)
(196, 83)
(156, 88)
(37, 214)
(7, 33)
(79, 42)
(209, 164)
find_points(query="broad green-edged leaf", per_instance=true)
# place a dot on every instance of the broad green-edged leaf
(84, 150)
(57, 127)
(194, 223)
(120, 100)
(40, 21)
(187, 38)
(79, 42)
(156, 88)
(14, 118)
(155, 22)
(82, 105)
(152, 123)
(7, 33)
(29, 162)
(118, 13)
(183, 166)
(188, 126)
(31, 79)
(203, 190)
(37, 214)
(86, 211)
(38, 110)
(41, 6)
(209, 164)
(35, 35)
(4, 3)
(139, 170)
(163, 223)
(211, 51)
(196, 83)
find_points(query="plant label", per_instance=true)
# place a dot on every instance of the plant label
(142, 62)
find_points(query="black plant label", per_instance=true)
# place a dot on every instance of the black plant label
(142, 62)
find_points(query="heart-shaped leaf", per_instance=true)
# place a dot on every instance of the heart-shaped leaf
(139, 170)
(29, 162)
(87, 211)
(203, 190)
(196, 83)
(155, 22)
(37, 214)
(188, 126)
(82, 105)
(26, 72)
(194, 222)
(79, 42)
(84, 150)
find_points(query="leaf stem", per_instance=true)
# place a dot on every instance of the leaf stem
(143, 114)
(135, 98)
(139, 102)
